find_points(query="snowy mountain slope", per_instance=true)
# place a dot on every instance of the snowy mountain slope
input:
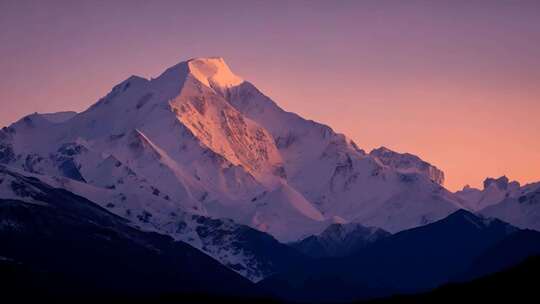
(247, 251)
(199, 142)
(57, 234)
(495, 191)
(521, 209)
(272, 206)
(506, 200)
(342, 180)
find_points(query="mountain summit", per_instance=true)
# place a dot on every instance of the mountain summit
(200, 142)
(213, 72)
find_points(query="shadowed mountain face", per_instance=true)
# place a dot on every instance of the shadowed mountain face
(339, 240)
(69, 245)
(410, 261)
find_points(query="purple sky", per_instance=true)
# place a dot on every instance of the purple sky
(456, 82)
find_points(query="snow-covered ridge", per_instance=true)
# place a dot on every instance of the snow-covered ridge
(59, 117)
(408, 163)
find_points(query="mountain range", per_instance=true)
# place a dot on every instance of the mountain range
(457, 248)
(506, 200)
(197, 165)
(198, 141)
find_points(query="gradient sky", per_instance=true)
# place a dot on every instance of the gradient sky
(455, 82)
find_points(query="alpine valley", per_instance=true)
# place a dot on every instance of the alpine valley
(201, 178)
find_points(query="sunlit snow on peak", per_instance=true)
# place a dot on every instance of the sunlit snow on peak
(213, 72)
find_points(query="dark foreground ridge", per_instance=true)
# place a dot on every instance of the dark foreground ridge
(514, 285)
(518, 284)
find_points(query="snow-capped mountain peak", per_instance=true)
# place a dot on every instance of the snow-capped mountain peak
(213, 72)
(199, 141)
